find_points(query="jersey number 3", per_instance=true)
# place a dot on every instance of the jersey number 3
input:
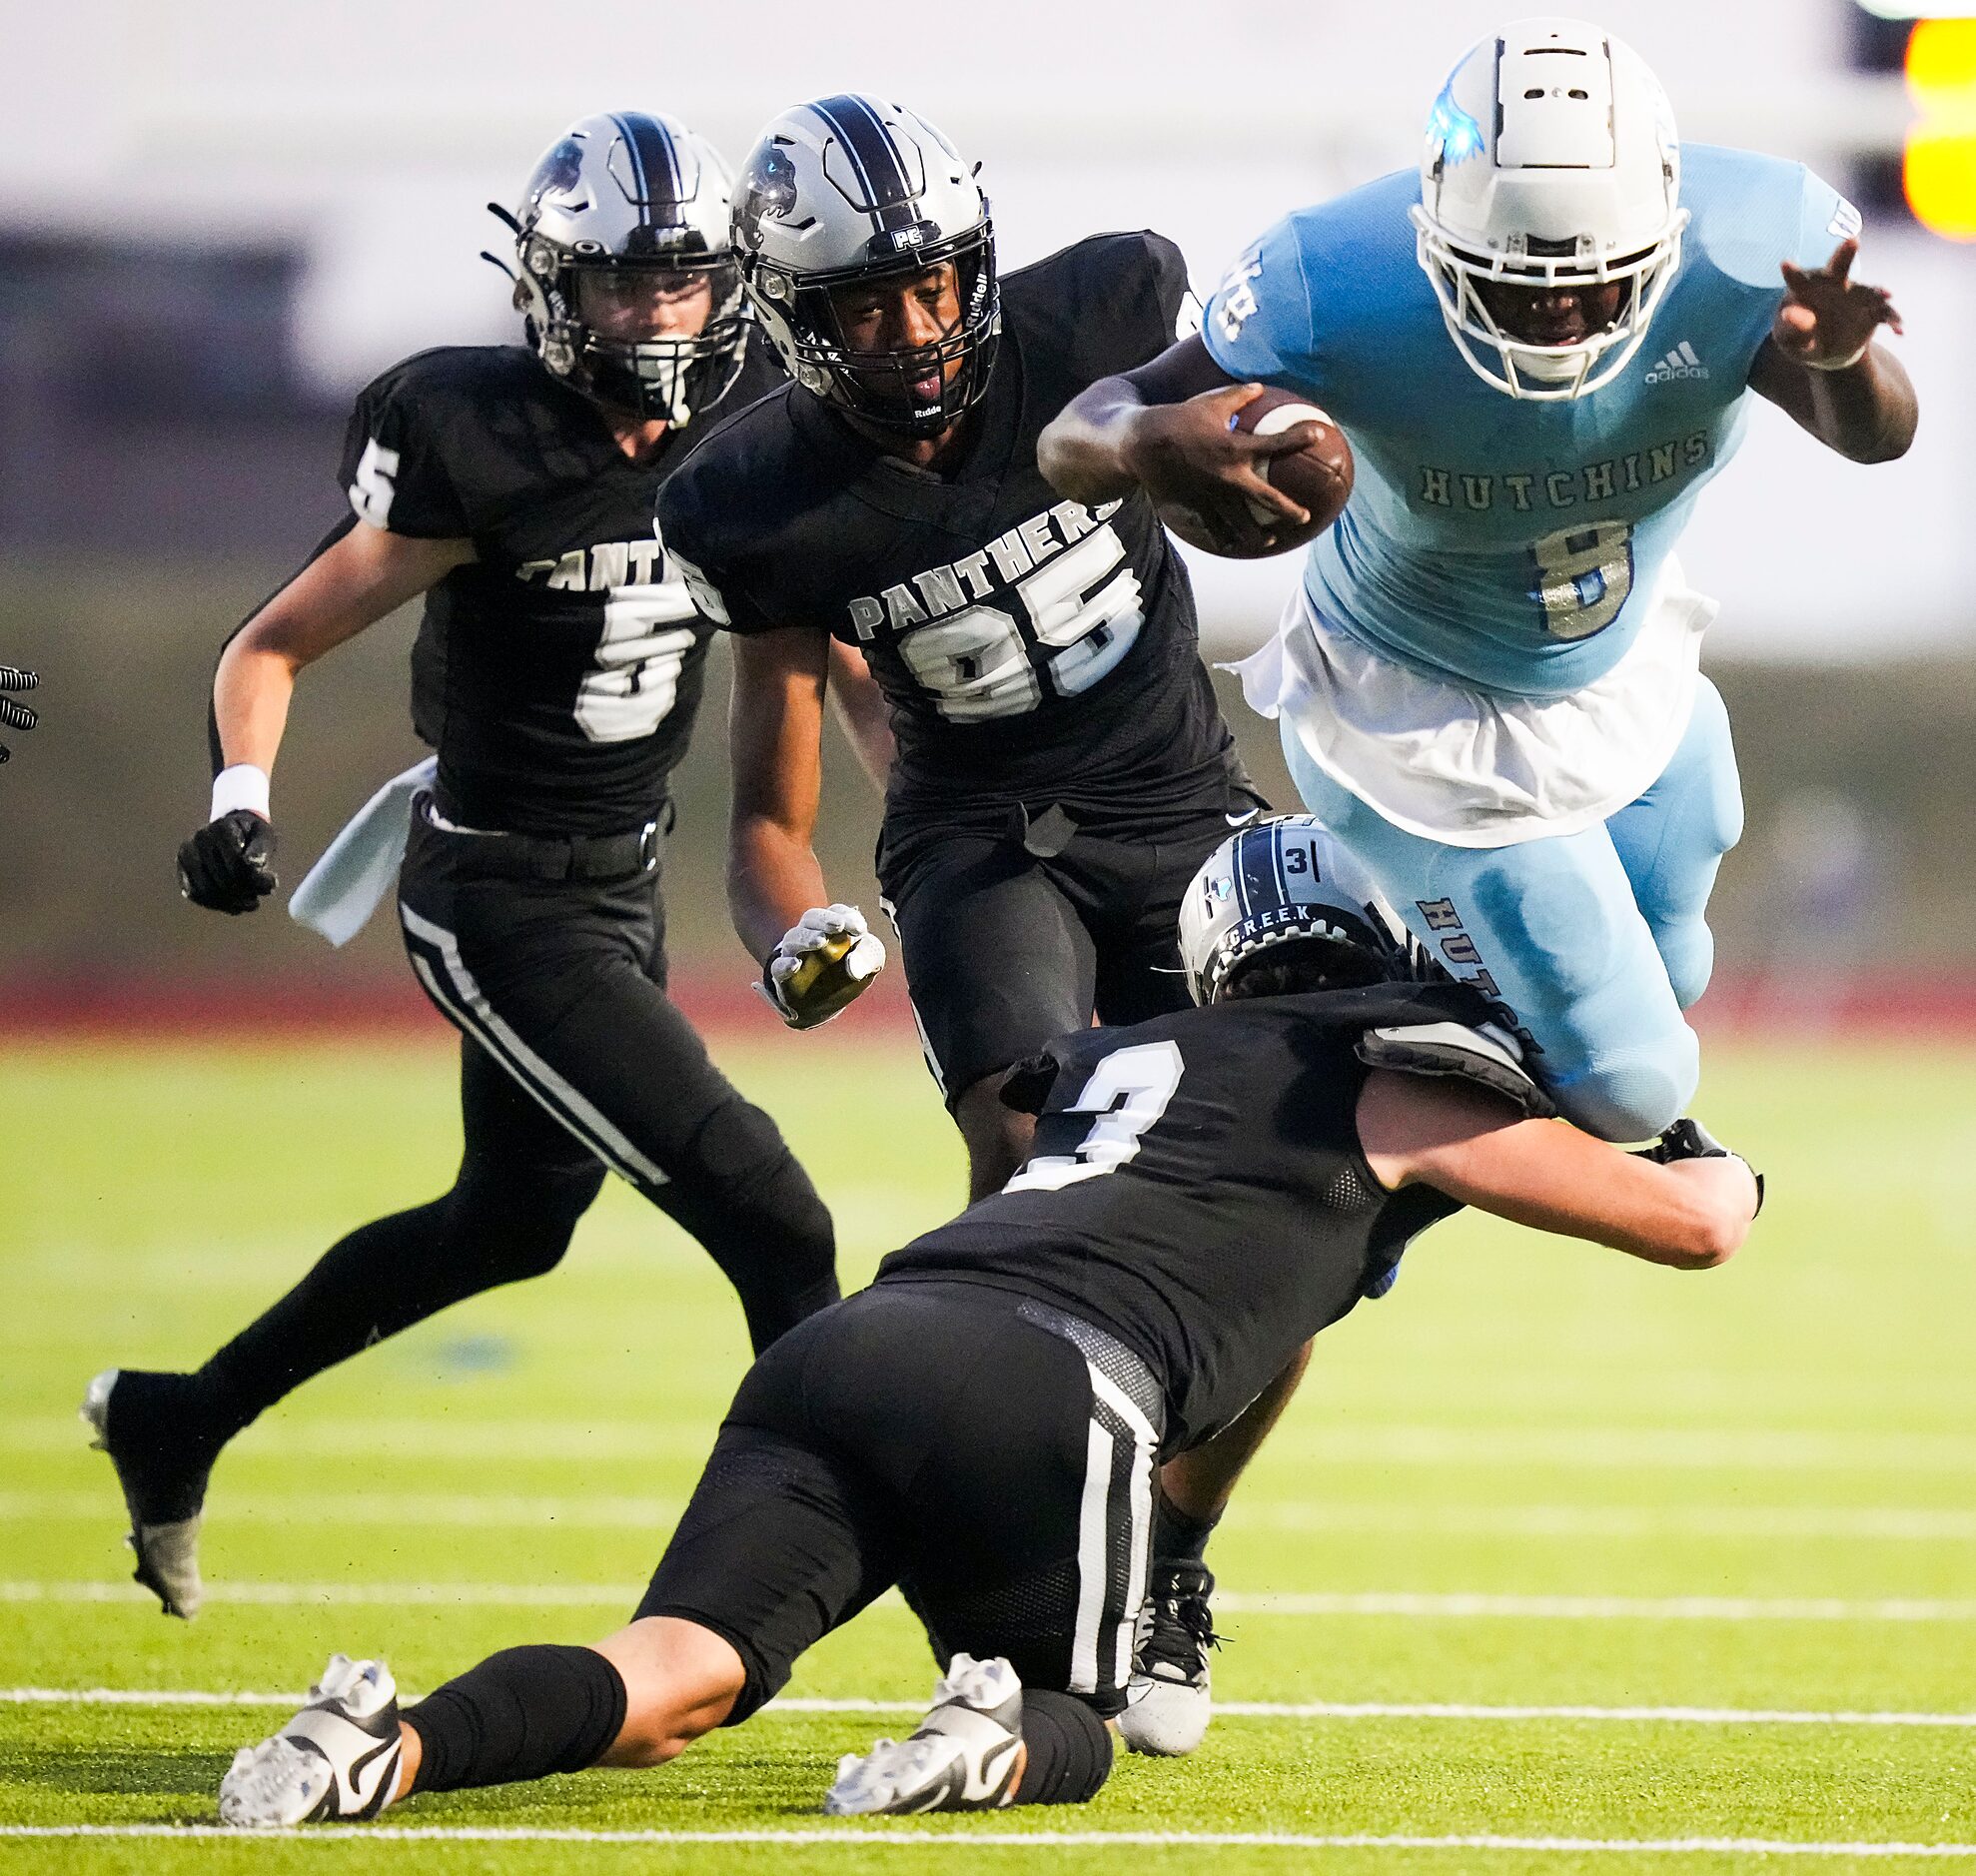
(1128, 1091)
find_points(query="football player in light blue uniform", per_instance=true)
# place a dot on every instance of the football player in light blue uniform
(1488, 682)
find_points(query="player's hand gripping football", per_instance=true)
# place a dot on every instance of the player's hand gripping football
(821, 967)
(15, 716)
(229, 864)
(1202, 471)
(1828, 319)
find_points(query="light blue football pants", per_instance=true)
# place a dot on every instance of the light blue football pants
(1596, 940)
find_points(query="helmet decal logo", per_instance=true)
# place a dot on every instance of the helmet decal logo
(768, 193)
(1458, 133)
(557, 172)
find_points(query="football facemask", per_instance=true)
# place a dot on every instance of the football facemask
(1548, 221)
(625, 270)
(849, 195)
(1286, 882)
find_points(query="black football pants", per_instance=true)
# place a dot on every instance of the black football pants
(986, 1452)
(572, 1062)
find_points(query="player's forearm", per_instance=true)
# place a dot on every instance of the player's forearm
(773, 878)
(1868, 411)
(252, 690)
(1084, 451)
(1689, 1216)
(863, 714)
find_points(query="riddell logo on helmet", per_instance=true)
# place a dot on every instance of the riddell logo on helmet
(1679, 363)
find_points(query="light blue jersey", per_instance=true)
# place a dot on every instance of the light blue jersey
(1513, 545)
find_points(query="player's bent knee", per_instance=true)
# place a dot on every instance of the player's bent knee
(518, 1229)
(1637, 1100)
(680, 1682)
(1689, 951)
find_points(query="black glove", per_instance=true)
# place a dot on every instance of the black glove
(1690, 1139)
(229, 865)
(15, 716)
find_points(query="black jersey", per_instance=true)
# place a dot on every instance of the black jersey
(1032, 649)
(557, 674)
(1197, 1188)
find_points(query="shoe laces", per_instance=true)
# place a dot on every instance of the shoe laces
(1180, 1624)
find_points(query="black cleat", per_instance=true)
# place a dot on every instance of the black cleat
(1167, 1699)
(143, 1420)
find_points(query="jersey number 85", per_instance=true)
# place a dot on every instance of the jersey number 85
(1081, 607)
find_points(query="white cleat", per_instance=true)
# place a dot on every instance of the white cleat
(1170, 1699)
(967, 1754)
(337, 1759)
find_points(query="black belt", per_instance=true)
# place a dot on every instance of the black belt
(559, 857)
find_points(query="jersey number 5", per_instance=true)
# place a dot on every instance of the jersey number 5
(1128, 1091)
(635, 676)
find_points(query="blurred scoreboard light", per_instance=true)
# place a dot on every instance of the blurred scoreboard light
(1938, 171)
(1934, 48)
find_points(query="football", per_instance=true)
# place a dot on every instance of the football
(1316, 477)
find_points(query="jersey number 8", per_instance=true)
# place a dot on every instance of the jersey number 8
(976, 663)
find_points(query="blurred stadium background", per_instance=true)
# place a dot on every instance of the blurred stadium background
(1714, 1526)
(217, 220)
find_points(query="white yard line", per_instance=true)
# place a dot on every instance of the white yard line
(1595, 1448)
(625, 1512)
(1436, 1607)
(408, 1509)
(909, 1836)
(1227, 1710)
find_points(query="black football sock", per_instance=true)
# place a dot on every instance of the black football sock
(750, 1203)
(1070, 1749)
(391, 1274)
(522, 1713)
(1178, 1538)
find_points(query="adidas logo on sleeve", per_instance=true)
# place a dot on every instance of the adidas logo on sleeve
(1679, 363)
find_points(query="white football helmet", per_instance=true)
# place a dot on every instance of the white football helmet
(1286, 881)
(1551, 161)
(616, 199)
(849, 189)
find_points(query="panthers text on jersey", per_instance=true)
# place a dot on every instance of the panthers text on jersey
(557, 674)
(1507, 545)
(1032, 649)
(1198, 1190)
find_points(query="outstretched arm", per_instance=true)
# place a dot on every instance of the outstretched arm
(1821, 367)
(1167, 427)
(349, 585)
(1472, 1145)
(355, 579)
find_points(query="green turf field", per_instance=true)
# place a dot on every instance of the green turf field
(1727, 1520)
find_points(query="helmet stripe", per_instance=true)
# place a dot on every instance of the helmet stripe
(869, 145)
(657, 166)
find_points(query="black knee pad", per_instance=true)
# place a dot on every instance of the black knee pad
(1070, 1749)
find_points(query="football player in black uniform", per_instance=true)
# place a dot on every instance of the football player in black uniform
(1209, 1188)
(1062, 767)
(557, 674)
(16, 715)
